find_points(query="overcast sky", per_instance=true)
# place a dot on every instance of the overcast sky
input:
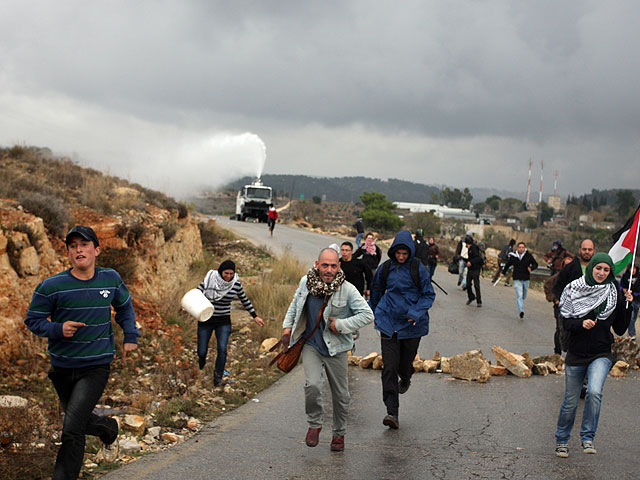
(183, 94)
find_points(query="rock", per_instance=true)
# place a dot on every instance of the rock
(193, 423)
(28, 262)
(514, 363)
(554, 359)
(444, 365)
(171, 437)
(436, 357)
(129, 445)
(470, 366)
(498, 371)
(180, 420)
(620, 369)
(625, 349)
(13, 401)
(367, 361)
(267, 344)
(134, 423)
(528, 361)
(245, 330)
(153, 432)
(377, 363)
(430, 366)
(355, 360)
(417, 363)
(540, 369)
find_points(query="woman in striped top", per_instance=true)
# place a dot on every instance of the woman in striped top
(220, 287)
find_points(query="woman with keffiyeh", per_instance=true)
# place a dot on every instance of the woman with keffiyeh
(370, 253)
(590, 306)
(220, 287)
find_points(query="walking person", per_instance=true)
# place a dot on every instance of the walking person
(559, 338)
(359, 231)
(370, 252)
(474, 267)
(73, 310)
(272, 216)
(355, 271)
(434, 255)
(635, 290)
(421, 247)
(221, 287)
(556, 256)
(400, 297)
(326, 310)
(503, 256)
(590, 306)
(462, 254)
(523, 264)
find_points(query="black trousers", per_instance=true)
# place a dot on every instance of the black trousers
(473, 276)
(397, 359)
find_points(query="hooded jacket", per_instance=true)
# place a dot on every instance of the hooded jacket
(401, 300)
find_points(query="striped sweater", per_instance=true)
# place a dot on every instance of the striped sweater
(222, 307)
(64, 297)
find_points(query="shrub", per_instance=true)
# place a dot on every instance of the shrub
(49, 208)
(169, 229)
(183, 210)
(120, 260)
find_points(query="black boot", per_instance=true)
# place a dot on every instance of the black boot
(202, 361)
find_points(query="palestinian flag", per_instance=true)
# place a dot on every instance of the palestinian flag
(625, 241)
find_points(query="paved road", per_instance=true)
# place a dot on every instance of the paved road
(450, 429)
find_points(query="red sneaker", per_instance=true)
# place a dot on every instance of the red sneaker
(313, 436)
(337, 443)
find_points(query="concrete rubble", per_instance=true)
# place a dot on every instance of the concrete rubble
(470, 366)
(516, 364)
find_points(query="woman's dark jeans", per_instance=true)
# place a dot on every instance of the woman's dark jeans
(205, 330)
(79, 390)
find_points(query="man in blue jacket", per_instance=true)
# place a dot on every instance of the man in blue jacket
(400, 298)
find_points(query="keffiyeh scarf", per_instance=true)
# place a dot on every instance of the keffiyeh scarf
(578, 299)
(215, 287)
(370, 246)
(318, 287)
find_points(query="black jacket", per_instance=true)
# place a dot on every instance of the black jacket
(474, 258)
(586, 345)
(422, 250)
(357, 274)
(520, 267)
(371, 261)
(567, 275)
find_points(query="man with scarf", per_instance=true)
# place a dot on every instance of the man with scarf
(325, 300)
(221, 286)
(523, 264)
(589, 306)
(401, 301)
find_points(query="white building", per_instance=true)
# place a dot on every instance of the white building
(442, 211)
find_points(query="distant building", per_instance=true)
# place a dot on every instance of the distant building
(555, 202)
(442, 211)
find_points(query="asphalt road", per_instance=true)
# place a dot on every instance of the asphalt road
(449, 429)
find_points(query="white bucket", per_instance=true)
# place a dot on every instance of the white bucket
(197, 305)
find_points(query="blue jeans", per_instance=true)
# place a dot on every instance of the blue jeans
(521, 287)
(634, 315)
(205, 330)
(359, 239)
(432, 269)
(596, 373)
(462, 272)
(79, 390)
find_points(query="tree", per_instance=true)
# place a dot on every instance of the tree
(316, 199)
(456, 198)
(427, 221)
(546, 212)
(494, 202)
(624, 202)
(379, 213)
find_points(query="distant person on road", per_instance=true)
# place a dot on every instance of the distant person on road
(555, 257)
(73, 310)
(326, 310)
(221, 286)
(503, 256)
(461, 254)
(400, 297)
(434, 255)
(359, 231)
(570, 272)
(355, 271)
(272, 216)
(370, 252)
(523, 264)
(421, 247)
(589, 306)
(559, 344)
(474, 267)
(635, 290)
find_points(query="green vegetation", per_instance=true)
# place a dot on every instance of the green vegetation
(378, 213)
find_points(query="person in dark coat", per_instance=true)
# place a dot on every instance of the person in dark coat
(359, 230)
(434, 254)
(370, 252)
(503, 256)
(474, 266)
(401, 305)
(421, 246)
(523, 264)
(355, 271)
(555, 257)
(590, 307)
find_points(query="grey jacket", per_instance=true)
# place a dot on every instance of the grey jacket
(346, 305)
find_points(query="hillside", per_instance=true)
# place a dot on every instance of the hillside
(349, 189)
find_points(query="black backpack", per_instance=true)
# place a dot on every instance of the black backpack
(415, 273)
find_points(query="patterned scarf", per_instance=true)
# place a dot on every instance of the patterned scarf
(215, 287)
(318, 287)
(578, 299)
(370, 246)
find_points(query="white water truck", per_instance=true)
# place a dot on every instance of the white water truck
(253, 201)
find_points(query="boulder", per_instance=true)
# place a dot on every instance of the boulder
(28, 262)
(625, 349)
(193, 423)
(171, 437)
(554, 359)
(355, 360)
(498, 371)
(540, 369)
(444, 365)
(417, 363)
(134, 423)
(511, 361)
(367, 362)
(129, 445)
(377, 363)
(528, 361)
(430, 366)
(267, 344)
(620, 369)
(470, 366)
